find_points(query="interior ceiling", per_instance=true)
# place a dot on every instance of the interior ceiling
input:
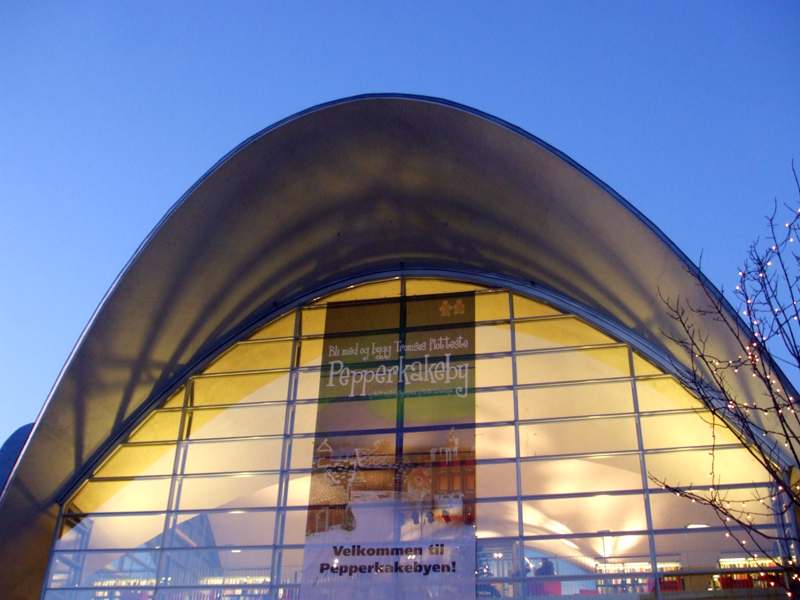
(351, 188)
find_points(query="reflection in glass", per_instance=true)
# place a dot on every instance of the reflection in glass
(229, 566)
(126, 495)
(96, 569)
(110, 532)
(237, 528)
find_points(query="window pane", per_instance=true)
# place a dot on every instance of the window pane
(234, 389)
(388, 288)
(216, 567)
(233, 491)
(573, 365)
(578, 437)
(234, 528)
(95, 569)
(675, 512)
(496, 519)
(131, 461)
(576, 556)
(302, 453)
(491, 306)
(252, 356)
(239, 455)
(492, 338)
(280, 327)
(379, 315)
(421, 411)
(131, 495)
(493, 372)
(299, 489)
(557, 332)
(305, 417)
(642, 366)
(308, 385)
(575, 400)
(354, 415)
(160, 426)
(664, 393)
(238, 421)
(496, 480)
(294, 526)
(495, 442)
(732, 465)
(525, 307)
(312, 321)
(310, 352)
(584, 515)
(110, 532)
(494, 406)
(570, 476)
(176, 400)
(291, 566)
(426, 286)
(681, 430)
(715, 549)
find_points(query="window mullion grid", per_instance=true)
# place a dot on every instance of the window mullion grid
(520, 526)
(286, 462)
(56, 535)
(645, 487)
(174, 486)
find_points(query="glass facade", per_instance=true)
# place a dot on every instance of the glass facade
(414, 438)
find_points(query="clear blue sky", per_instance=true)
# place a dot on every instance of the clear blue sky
(109, 111)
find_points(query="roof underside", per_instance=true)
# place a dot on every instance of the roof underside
(345, 190)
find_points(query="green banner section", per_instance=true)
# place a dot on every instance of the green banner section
(394, 460)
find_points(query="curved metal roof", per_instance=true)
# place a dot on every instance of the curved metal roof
(347, 189)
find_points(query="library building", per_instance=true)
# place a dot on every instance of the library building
(390, 348)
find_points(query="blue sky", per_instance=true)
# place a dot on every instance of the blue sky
(109, 111)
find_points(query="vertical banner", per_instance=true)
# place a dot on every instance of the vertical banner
(392, 497)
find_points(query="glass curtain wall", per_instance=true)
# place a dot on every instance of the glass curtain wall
(512, 461)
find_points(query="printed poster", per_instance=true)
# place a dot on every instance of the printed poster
(392, 496)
